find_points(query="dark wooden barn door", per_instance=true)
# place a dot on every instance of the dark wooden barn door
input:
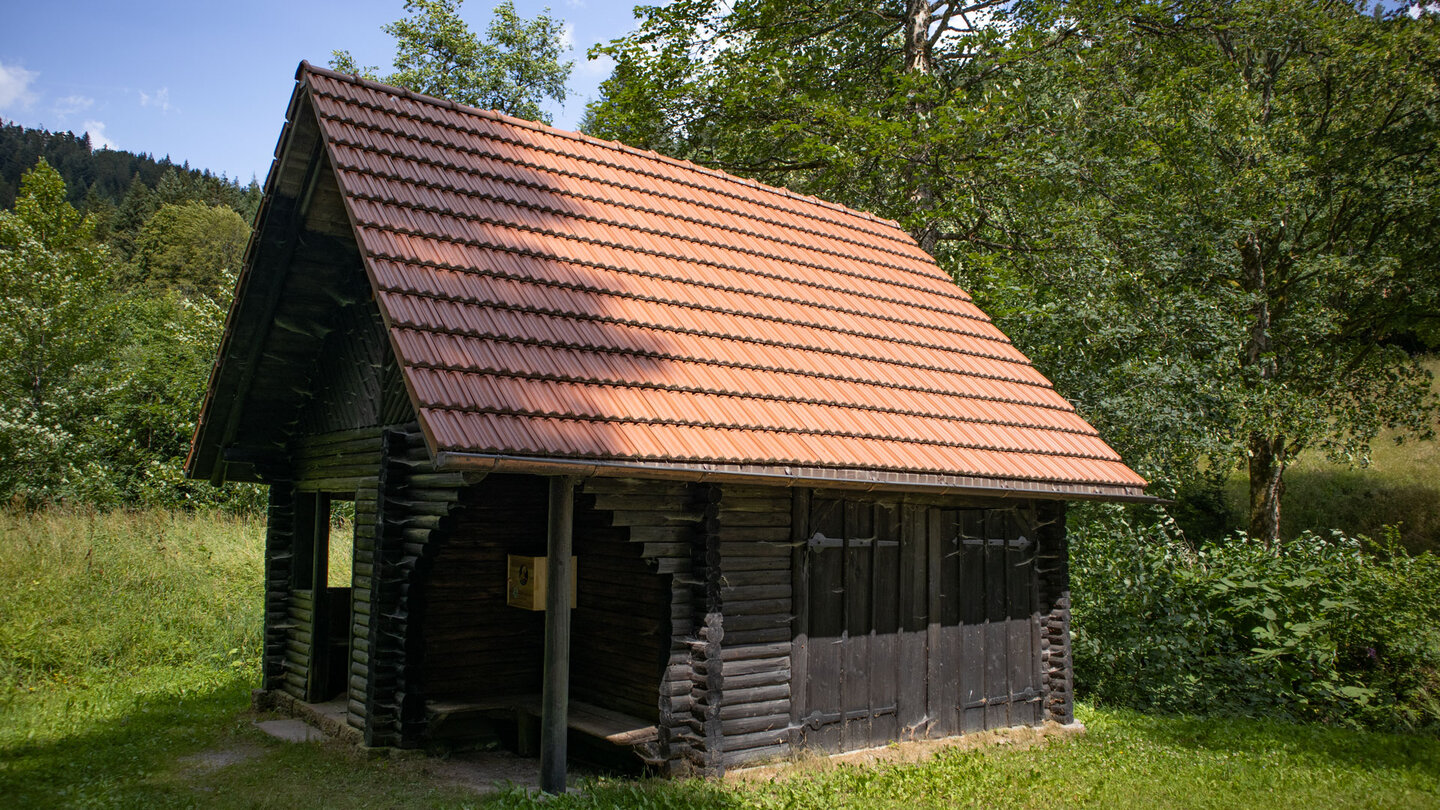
(915, 621)
(852, 648)
(987, 635)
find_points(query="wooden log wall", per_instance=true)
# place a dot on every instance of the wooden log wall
(400, 502)
(752, 668)
(478, 648)
(1057, 674)
(724, 691)
(667, 521)
(414, 508)
(620, 626)
(279, 673)
(475, 644)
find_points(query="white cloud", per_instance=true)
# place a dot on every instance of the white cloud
(567, 36)
(15, 86)
(71, 105)
(576, 3)
(160, 98)
(96, 131)
(1423, 8)
(601, 65)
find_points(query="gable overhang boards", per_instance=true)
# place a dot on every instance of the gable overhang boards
(567, 306)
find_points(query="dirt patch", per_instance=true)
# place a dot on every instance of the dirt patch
(490, 771)
(904, 752)
(213, 759)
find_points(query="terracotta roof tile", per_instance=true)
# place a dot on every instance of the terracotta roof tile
(558, 297)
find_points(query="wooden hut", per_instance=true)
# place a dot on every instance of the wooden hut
(817, 497)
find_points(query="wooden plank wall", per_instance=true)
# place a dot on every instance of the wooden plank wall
(355, 381)
(923, 617)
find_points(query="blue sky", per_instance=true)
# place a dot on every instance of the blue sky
(208, 82)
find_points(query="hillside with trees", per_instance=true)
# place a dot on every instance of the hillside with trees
(109, 319)
(98, 181)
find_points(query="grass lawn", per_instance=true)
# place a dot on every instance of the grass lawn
(127, 649)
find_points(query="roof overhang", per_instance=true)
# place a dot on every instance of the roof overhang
(825, 478)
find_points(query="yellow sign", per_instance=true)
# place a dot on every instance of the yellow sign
(525, 582)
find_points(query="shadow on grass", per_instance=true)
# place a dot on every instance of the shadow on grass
(115, 762)
(1359, 502)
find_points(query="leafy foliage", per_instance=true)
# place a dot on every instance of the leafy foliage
(514, 69)
(192, 248)
(1239, 192)
(1333, 629)
(56, 329)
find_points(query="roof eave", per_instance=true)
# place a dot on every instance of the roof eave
(790, 476)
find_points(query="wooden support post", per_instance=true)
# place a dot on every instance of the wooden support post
(554, 722)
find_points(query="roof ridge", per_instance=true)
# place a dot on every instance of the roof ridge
(617, 146)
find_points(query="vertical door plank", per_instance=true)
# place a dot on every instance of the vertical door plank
(800, 626)
(914, 615)
(997, 686)
(885, 624)
(855, 676)
(934, 671)
(972, 619)
(827, 620)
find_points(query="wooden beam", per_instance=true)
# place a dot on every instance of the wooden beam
(555, 700)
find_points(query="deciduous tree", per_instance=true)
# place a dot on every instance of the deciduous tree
(514, 69)
(57, 322)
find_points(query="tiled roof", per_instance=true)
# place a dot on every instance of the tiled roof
(553, 296)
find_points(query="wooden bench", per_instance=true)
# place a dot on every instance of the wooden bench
(616, 728)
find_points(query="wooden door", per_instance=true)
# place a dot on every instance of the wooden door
(988, 627)
(852, 647)
(913, 621)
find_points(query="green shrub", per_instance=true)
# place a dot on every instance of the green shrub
(1334, 629)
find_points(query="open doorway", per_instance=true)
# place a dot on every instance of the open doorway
(323, 569)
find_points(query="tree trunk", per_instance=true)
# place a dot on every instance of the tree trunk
(918, 63)
(917, 37)
(1267, 484)
(1267, 452)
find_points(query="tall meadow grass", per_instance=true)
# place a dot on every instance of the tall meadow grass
(104, 613)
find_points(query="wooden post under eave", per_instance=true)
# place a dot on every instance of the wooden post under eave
(554, 722)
